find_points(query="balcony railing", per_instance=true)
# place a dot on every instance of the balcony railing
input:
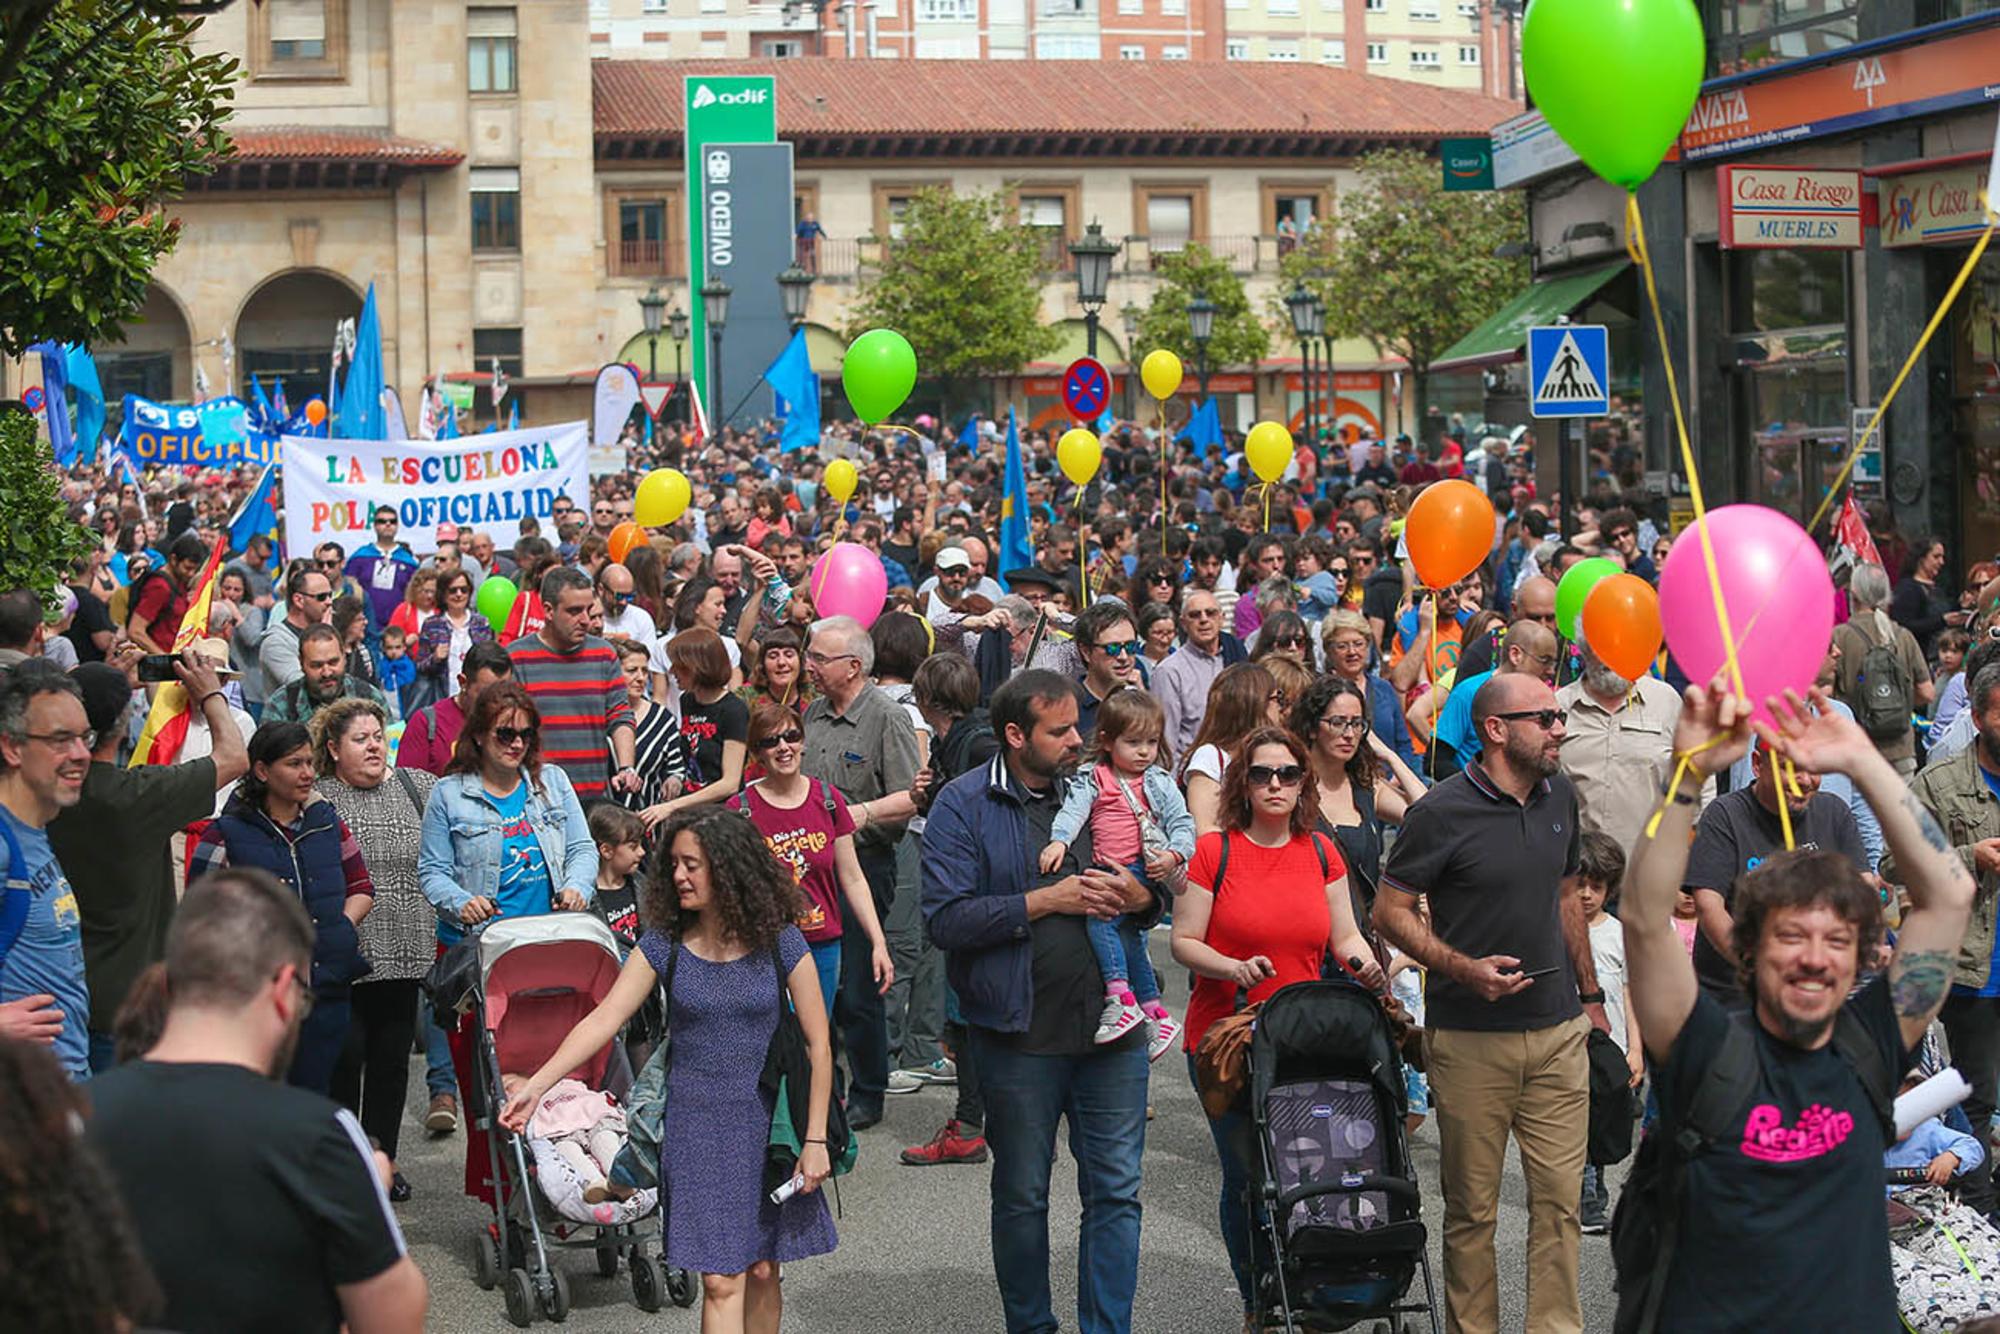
(647, 258)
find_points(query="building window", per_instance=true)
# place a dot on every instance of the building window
(1131, 53)
(942, 48)
(787, 49)
(1173, 53)
(1131, 6)
(642, 236)
(1173, 8)
(1423, 11)
(1333, 51)
(1173, 218)
(1378, 53)
(715, 6)
(1332, 6)
(1425, 57)
(1302, 209)
(1236, 48)
(1048, 217)
(496, 208)
(653, 7)
(298, 39)
(502, 343)
(1377, 6)
(1056, 9)
(1744, 36)
(489, 50)
(1468, 9)
(1282, 8)
(1468, 55)
(1286, 52)
(947, 11)
(889, 211)
(1066, 46)
(600, 9)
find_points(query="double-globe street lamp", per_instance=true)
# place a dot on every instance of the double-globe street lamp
(795, 285)
(1092, 255)
(715, 295)
(1317, 332)
(1299, 306)
(1201, 327)
(653, 312)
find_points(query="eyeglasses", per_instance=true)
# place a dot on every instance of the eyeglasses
(623, 599)
(791, 736)
(387, 519)
(305, 995)
(818, 659)
(1542, 718)
(1288, 641)
(516, 736)
(317, 597)
(1166, 579)
(1201, 613)
(64, 740)
(1284, 775)
(1345, 724)
(1337, 571)
(1618, 536)
(332, 564)
(1363, 561)
(1124, 648)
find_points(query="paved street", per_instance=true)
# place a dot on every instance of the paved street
(913, 1255)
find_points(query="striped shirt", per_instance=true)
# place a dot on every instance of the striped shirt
(581, 697)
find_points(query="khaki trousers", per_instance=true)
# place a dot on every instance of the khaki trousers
(1536, 1086)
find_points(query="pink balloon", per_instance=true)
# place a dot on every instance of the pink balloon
(849, 581)
(1778, 591)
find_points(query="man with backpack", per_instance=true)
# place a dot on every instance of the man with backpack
(1756, 1202)
(1882, 674)
(160, 599)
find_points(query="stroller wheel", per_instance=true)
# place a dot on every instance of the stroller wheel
(649, 1282)
(607, 1262)
(520, 1293)
(681, 1287)
(555, 1301)
(486, 1260)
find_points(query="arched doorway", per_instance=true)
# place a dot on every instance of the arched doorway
(285, 331)
(154, 359)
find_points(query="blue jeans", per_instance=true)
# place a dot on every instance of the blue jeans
(1120, 947)
(1237, 1150)
(826, 961)
(439, 1077)
(860, 1016)
(321, 1037)
(1103, 1096)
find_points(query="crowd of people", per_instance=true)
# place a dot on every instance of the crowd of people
(951, 827)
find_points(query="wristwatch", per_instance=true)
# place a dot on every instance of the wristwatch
(1591, 997)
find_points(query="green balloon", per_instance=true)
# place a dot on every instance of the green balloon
(1575, 590)
(1616, 80)
(496, 599)
(878, 373)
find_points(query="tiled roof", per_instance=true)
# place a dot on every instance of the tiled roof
(828, 106)
(313, 143)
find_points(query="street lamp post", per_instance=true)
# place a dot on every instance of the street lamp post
(1299, 306)
(1092, 255)
(652, 307)
(795, 285)
(715, 313)
(677, 329)
(1201, 327)
(1128, 320)
(1316, 331)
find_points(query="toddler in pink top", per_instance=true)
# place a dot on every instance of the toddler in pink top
(585, 1128)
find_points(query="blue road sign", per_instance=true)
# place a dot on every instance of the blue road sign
(1569, 370)
(1086, 389)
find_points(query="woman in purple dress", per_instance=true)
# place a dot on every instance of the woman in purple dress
(717, 907)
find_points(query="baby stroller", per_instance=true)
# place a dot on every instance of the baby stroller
(1340, 1204)
(537, 977)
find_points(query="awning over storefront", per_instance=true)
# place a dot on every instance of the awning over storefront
(1503, 336)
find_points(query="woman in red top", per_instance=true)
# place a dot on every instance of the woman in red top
(1280, 906)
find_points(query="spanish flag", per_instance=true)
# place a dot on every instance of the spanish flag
(167, 723)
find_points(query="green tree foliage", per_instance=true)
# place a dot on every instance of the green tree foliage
(104, 114)
(964, 284)
(1239, 339)
(1407, 265)
(39, 541)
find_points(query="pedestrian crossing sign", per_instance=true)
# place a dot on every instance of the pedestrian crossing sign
(1569, 366)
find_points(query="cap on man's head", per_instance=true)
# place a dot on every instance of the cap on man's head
(447, 532)
(952, 558)
(106, 694)
(1032, 574)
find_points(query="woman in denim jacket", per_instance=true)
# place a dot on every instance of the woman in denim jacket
(504, 837)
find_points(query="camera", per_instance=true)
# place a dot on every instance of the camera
(157, 667)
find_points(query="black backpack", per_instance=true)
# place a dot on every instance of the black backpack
(1610, 1137)
(1883, 695)
(1645, 1230)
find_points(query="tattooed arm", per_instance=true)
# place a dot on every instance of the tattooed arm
(1940, 889)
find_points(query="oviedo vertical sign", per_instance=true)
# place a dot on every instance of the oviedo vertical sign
(736, 109)
(749, 192)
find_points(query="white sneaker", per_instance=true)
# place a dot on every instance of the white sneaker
(1161, 1034)
(1118, 1019)
(903, 1081)
(941, 1071)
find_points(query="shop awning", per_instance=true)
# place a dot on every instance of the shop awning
(1503, 336)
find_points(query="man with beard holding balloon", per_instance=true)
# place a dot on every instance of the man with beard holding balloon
(1619, 747)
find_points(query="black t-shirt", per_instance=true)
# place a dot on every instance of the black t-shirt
(1784, 1226)
(704, 727)
(1734, 836)
(253, 1200)
(92, 617)
(1493, 868)
(1476, 657)
(1381, 595)
(905, 556)
(620, 910)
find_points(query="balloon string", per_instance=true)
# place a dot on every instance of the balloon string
(1161, 404)
(1083, 554)
(1267, 507)
(1635, 246)
(1787, 778)
(1683, 762)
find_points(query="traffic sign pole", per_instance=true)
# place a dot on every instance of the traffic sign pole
(1566, 474)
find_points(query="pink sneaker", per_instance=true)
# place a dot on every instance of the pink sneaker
(1161, 1035)
(1119, 1018)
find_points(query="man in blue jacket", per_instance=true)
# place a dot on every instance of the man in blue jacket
(1029, 988)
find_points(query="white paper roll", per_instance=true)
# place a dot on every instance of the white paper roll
(1946, 1088)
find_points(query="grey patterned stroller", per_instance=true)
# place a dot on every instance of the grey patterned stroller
(1336, 1194)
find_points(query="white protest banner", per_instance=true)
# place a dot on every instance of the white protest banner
(489, 482)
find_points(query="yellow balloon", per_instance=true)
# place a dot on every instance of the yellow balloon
(1160, 372)
(662, 497)
(841, 479)
(1079, 454)
(1269, 449)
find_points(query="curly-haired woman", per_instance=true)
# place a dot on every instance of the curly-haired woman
(719, 912)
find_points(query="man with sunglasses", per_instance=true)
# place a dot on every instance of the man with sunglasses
(1494, 849)
(623, 617)
(1182, 681)
(382, 568)
(1110, 645)
(308, 602)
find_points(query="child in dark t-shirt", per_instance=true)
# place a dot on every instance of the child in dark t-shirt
(620, 836)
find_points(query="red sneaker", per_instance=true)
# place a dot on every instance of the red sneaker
(950, 1145)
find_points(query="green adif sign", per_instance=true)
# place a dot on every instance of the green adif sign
(738, 109)
(1468, 163)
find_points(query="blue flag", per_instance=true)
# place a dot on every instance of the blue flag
(257, 516)
(89, 401)
(1014, 549)
(55, 383)
(263, 417)
(968, 436)
(1204, 426)
(514, 415)
(279, 412)
(360, 416)
(791, 378)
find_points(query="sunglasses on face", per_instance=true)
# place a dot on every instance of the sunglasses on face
(515, 736)
(1124, 648)
(1201, 613)
(1542, 718)
(1284, 775)
(317, 597)
(1337, 571)
(789, 737)
(1364, 562)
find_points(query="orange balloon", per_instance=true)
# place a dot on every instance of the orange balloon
(623, 538)
(1450, 532)
(1621, 623)
(315, 411)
